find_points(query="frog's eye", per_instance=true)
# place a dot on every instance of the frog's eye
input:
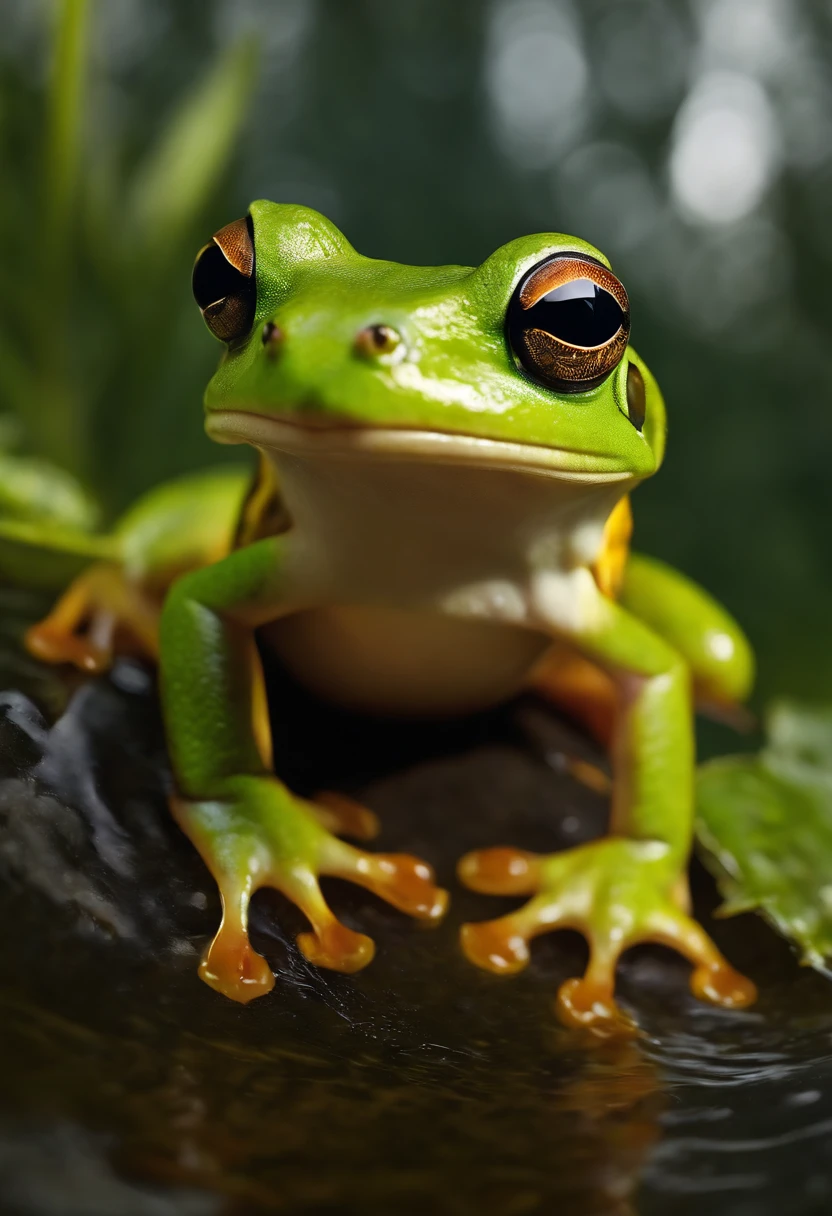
(224, 283)
(568, 322)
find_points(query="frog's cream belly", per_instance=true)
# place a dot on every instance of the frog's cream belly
(405, 662)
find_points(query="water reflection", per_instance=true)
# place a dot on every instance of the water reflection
(748, 1127)
(151, 1119)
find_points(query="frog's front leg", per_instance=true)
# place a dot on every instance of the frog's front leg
(249, 828)
(626, 888)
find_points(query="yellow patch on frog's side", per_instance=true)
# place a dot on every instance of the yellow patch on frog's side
(608, 568)
(263, 512)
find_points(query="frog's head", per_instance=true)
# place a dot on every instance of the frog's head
(523, 360)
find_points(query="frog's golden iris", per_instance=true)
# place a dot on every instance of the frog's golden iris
(568, 322)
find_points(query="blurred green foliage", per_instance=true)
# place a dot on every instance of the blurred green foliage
(689, 139)
(98, 246)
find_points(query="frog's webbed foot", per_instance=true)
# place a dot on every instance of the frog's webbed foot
(617, 892)
(257, 835)
(98, 609)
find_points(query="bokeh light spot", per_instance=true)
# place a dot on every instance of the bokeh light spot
(725, 151)
(536, 76)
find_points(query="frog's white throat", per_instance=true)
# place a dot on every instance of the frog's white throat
(423, 569)
(416, 517)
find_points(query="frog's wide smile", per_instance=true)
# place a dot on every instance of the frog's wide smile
(446, 447)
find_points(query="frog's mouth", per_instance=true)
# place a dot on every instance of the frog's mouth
(402, 443)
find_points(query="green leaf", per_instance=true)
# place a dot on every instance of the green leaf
(182, 171)
(42, 556)
(764, 825)
(35, 490)
(52, 409)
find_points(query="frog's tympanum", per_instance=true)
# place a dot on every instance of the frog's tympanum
(440, 519)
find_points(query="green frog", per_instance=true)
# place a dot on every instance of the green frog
(439, 519)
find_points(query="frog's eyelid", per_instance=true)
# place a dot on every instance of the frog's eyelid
(576, 254)
(236, 240)
(579, 255)
(561, 269)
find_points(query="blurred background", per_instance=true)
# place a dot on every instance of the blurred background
(691, 140)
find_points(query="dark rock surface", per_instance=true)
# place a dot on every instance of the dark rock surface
(420, 1085)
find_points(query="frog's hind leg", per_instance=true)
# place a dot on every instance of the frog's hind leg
(585, 693)
(101, 608)
(715, 649)
(114, 605)
(707, 637)
(579, 687)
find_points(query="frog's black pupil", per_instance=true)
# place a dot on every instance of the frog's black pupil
(214, 277)
(580, 313)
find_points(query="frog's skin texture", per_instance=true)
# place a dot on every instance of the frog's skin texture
(431, 529)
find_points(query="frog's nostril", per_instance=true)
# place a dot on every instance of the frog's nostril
(272, 338)
(376, 340)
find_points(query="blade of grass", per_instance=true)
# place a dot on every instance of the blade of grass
(57, 427)
(17, 386)
(63, 131)
(184, 168)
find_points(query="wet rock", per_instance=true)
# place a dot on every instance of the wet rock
(86, 836)
(83, 826)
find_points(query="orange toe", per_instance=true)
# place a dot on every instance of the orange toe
(408, 884)
(722, 985)
(582, 1004)
(501, 871)
(51, 646)
(235, 970)
(338, 948)
(492, 945)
